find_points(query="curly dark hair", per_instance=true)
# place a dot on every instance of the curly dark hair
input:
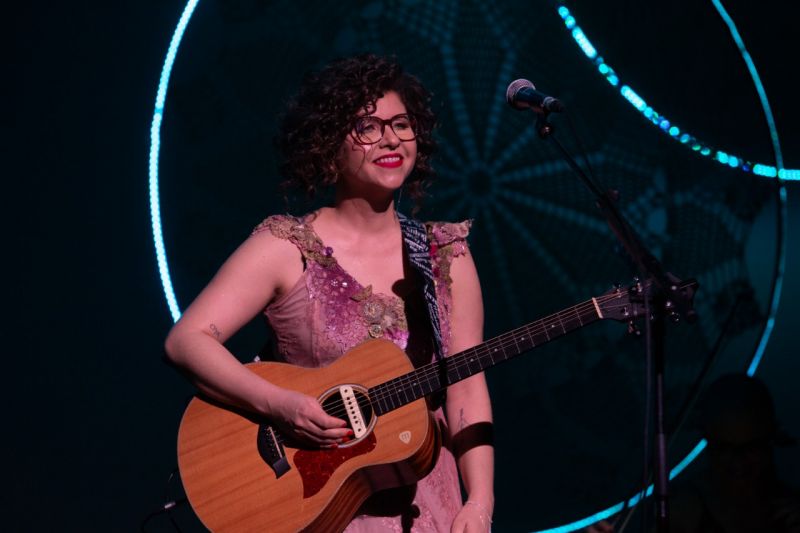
(321, 114)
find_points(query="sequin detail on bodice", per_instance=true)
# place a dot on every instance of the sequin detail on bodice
(348, 312)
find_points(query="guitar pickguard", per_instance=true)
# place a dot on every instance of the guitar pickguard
(317, 466)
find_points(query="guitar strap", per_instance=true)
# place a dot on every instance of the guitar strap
(415, 237)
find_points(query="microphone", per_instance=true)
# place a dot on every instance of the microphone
(521, 94)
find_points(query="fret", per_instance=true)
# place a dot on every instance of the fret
(564, 329)
(416, 387)
(530, 336)
(383, 403)
(434, 382)
(526, 340)
(453, 375)
(458, 373)
(514, 338)
(404, 390)
(431, 385)
(390, 400)
(491, 358)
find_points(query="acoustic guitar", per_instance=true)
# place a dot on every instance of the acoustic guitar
(241, 475)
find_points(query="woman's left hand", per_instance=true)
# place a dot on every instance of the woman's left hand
(472, 518)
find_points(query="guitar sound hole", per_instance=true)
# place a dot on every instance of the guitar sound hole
(334, 404)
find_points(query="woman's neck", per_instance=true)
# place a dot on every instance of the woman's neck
(360, 215)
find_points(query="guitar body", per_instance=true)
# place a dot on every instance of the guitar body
(232, 487)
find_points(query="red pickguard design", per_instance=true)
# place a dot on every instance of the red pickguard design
(317, 466)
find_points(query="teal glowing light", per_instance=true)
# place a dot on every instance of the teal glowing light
(765, 170)
(583, 42)
(630, 95)
(633, 98)
(155, 146)
(782, 174)
(633, 500)
(789, 174)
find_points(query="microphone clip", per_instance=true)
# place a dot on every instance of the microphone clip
(543, 125)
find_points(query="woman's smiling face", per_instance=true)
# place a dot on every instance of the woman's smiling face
(384, 165)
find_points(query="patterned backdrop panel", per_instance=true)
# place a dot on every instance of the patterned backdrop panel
(569, 416)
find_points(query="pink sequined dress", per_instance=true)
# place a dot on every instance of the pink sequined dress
(327, 312)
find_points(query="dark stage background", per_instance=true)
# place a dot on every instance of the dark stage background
(93, 408)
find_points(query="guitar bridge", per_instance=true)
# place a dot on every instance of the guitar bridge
(354, 413)
(271, 450)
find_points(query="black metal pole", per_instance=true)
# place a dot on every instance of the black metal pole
(663, 295)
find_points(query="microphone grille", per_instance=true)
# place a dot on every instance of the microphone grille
(514, 87)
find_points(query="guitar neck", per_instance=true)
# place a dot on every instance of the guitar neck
(438, 375)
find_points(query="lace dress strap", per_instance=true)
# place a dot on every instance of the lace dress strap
(296, 231)
(448, 240)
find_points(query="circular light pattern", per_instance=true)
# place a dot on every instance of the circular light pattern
(155, 146)
(664, 124)
(478, 168)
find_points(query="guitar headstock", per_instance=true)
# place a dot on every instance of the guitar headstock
(627, 303)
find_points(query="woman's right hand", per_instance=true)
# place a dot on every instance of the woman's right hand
(302, 418)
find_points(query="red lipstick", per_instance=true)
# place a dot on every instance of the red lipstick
(392, 160)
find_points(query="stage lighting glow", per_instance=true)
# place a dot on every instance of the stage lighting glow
(634, 98)
(584, 43)
(155, 146)
(636, 101)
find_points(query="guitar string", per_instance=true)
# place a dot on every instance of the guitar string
(457, 362)
(510, 338)
(535, 328)
(490, 348)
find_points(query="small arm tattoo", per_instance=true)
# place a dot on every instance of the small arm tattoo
(215, 330)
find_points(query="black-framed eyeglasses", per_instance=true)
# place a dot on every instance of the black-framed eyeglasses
(370, 130)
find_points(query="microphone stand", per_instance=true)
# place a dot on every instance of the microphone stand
(662, 297)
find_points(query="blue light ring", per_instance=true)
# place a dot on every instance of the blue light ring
(580, 38)
(780, 174)
(155, 146)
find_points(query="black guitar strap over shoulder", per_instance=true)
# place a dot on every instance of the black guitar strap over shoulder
(415, 238)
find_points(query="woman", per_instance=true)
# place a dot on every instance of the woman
(362, 126)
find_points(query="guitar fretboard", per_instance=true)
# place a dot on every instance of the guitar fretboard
(436, 376)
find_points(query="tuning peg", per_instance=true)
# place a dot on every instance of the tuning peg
(633, 329)
(674, 317)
